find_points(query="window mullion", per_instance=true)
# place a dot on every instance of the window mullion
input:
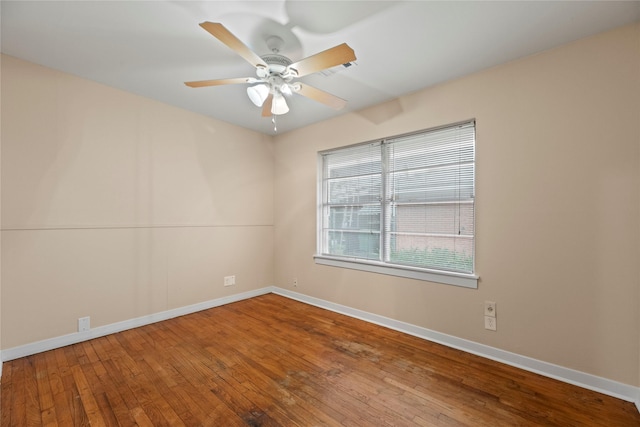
(324, 208)
(385, 206)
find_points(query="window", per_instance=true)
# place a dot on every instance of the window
(402, 206)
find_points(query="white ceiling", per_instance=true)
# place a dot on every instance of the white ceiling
(151, 47)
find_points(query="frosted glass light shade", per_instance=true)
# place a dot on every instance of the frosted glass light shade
(258, 94)
(279, 105)
(285, 89)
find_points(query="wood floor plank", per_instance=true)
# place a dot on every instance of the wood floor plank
(17, 407)
(45, 396)
(5, 390)
(270, 361)
(87, 397)
(32, 402)
(118, 394)
(58, 374)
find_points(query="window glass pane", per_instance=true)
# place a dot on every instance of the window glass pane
(437, 252)
(363, 218)
(439, 218)
(360, 189)
(436, 236)
(431, 191)
(354, 244)
(450, 182)
(433, 148)
(353, 161)
(450, 254)
(354, 231)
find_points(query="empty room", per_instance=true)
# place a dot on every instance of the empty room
(320, 213)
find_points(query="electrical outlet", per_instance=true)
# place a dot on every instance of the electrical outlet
(229, 280)
(84, 324)
(490, 323)
(295, 282)
(490, 308)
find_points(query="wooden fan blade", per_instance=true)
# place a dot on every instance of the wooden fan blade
(220, 32)
(203, 83)
(337, 55)
(321, 96)
(266, 107)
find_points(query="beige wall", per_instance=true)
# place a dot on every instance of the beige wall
(0, 212)
(558, 218)
(115, 206)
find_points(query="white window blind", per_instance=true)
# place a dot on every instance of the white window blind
(430, 190)
(352, 196)
(406, 201)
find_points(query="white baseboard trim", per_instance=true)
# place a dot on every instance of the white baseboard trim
(602, 385)
(571, 376)
(64, 340)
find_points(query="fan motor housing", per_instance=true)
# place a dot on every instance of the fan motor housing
(277, 63)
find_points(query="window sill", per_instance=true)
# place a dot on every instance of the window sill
(448, 278)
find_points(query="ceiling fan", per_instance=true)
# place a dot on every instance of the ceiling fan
(276, 73)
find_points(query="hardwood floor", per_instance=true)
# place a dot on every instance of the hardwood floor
(271, 361)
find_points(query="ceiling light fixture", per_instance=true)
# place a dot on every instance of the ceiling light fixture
(279, 105)
(258, 94)
(286, 89)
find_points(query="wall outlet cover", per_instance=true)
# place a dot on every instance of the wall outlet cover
(490, 323)
(84, 324)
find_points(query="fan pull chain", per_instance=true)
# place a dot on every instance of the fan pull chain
(273, 120)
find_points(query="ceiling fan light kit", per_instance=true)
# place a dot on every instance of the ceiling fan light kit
(279, 105)
(276, 72)
(258, 94)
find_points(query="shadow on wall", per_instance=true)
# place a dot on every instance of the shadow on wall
(381, 113)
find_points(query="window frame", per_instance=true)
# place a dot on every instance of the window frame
(467, 280)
